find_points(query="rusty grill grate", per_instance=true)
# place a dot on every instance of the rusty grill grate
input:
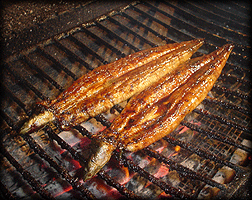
(48, 163)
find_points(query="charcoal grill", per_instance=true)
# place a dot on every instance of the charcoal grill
(207, 156)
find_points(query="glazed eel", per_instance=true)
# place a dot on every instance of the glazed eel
(107, 85)
(158, 109)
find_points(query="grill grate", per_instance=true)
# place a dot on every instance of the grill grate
(50, 67)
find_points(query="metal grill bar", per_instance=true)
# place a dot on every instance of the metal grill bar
(117, 37)
(221, 20)
(212, 135)
(239, 69)
(134, 21)
(238, 10)
(235, 79)
(201, 152)
(164, 186)
(36, 185)
(24, 83)
(99, 41)
(86, 49)
(103, 120)
(7, 119)
(215, 135)
(232, 92)
(222, 120)
(132, 32)
(7, 194)
(228, 15)
(44, 75)
(211, 27)
(63, 172)
(176, 33)
(240, 95)
(196, 32)
(118, 108)
(226, 105)
(8, 93)
(64, 145)
(83, 131)
(79, 157)
(173, 165)
(123, 190)
(166, 39)
(184, 171)
(178, 24)
(195, 150)
(56, 64)
(71, 55)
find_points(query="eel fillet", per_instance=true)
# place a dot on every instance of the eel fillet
(107, 85)
(158, 110)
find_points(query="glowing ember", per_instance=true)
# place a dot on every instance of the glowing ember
(162, 171)
(119, 172)
(172, 154)
(160, 149)
(127, 175)
(183, 129)
(84, 142)
(102, 190)
(163, 195)
(67, 189)
(177, 148)
(76, 164)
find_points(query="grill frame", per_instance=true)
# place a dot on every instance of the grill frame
(58, 66)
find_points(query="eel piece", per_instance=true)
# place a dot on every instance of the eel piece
(100, 89)
(159, 109)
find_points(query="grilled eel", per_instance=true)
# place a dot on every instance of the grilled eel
(107, 85)
(159, 109)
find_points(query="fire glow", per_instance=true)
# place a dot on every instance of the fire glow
(118, 172)
(183, 129)
(162, 171)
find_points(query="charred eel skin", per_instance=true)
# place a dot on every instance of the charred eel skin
(107, 85)
(158, 109)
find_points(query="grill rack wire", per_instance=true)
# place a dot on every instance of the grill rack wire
(139, 22)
